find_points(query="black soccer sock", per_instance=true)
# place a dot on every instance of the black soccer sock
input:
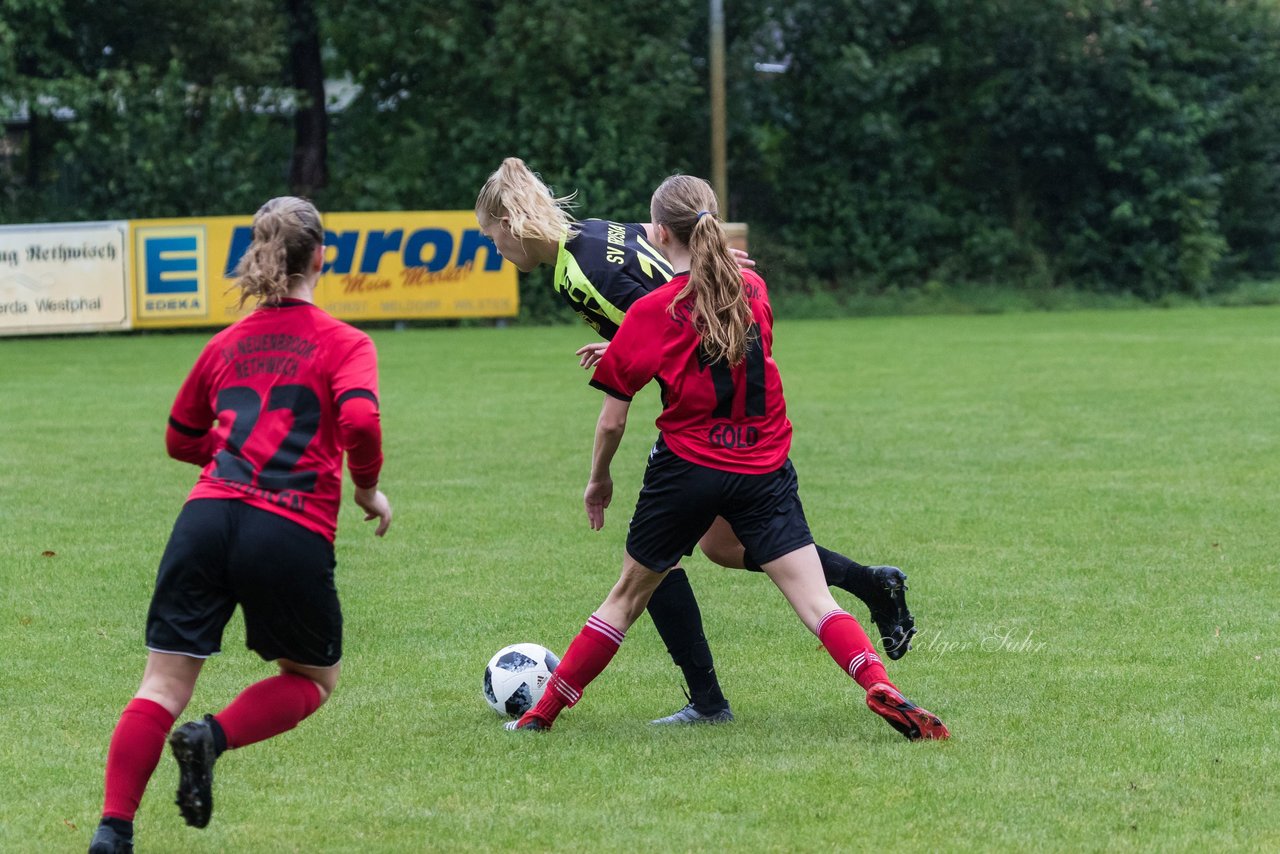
(848, 574)
(835, 566)
(219, 736)
(124, 827)
(678, 620)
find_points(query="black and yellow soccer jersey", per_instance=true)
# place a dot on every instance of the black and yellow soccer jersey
(605, 268)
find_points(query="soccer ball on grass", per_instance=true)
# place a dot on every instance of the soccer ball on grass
(516, 676)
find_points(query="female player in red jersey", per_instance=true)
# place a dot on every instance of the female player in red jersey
(601, 269)
(268, 410)
(707, 338)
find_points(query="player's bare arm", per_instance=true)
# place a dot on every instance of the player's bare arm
(609, 429)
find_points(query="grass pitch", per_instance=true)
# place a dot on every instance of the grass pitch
(1085, 504)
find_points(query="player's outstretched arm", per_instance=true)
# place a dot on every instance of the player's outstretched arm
(375, 506)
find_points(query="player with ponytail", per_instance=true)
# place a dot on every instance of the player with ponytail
(722, 457)
(523, 217)
(273, 404)
(601, 268)
(720, 310)
(286, 232)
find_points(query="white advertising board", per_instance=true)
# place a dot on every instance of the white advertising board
(63, 277)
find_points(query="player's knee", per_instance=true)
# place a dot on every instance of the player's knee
(326, 691)
(324, 678)
(326, 683)
(173, 694)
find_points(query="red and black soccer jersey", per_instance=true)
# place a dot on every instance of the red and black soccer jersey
(290, 388)
(733, 419)
(603, 269)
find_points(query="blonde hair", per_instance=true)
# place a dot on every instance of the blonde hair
(687, 206)
(286, 232)
(517, 192)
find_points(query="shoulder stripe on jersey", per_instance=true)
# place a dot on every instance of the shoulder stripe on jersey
(185, 430)
(654, 256)
(355, 393)
(571, 281)
(609, 391)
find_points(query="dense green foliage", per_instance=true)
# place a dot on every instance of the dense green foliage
(131, 121)
(1084, 502)
(1114, 145)
(1110, 144)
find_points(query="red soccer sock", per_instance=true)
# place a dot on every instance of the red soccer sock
(136, 746)
(851, 648)
(268, 708)
(588, 655)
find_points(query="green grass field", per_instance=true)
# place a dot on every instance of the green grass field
(1086, 504)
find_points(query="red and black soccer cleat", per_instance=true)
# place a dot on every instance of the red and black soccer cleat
(903, 715)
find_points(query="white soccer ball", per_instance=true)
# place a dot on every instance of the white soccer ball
(516, 676)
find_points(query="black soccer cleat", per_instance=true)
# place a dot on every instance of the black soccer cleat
(889, 611)
(107, 841)
(192, 745)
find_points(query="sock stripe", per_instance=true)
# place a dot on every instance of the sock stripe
(601, 627)
(829, 615)
(564, 689)
(861, 660)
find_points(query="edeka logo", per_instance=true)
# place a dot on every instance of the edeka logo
(428, 248)
(170, 274)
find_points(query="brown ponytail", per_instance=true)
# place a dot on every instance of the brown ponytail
(687, 206)
(286, 232)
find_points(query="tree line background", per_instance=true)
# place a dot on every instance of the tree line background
(907, 146)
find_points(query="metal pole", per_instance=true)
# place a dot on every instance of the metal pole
(719, 174)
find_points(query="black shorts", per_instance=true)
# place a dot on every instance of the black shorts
(223, 553)
(679, 500)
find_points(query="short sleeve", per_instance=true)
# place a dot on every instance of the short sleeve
(634, 355)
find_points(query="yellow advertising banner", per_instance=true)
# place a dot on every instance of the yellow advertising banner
(378, 266)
